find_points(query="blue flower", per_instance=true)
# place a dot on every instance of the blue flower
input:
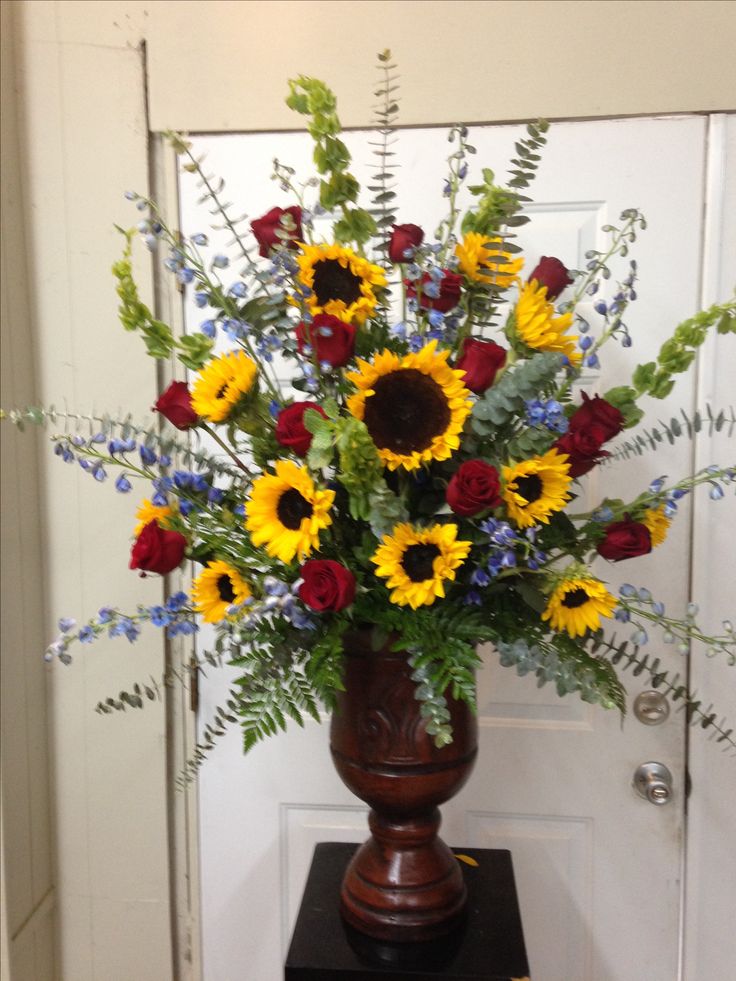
(148, 457)
(86, 635)
(185, 275)
(66, 624)
(160, 617)
(201, 299)
(122, 484)
(208, 328)
(160, 499)
(220, 261)
(99, 473)
(200, 239)
(176, 602)
(105, 614)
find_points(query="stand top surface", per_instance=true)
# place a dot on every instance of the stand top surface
(489, 946)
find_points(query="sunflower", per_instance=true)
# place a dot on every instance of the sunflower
(341, 282)
(658, 524)
(537, 326)
(148, 511)
(221, 384)
(536, 488)
(482, 261)
(413, 407)
(577, 605)
(416, 561)
(286, 512)
(218, 588)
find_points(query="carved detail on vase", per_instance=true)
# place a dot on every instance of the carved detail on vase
(404, 883)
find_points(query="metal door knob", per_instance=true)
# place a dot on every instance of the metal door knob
(653, 782)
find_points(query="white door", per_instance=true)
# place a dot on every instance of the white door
(598, 868)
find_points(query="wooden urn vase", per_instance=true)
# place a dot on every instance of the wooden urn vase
(404, 883)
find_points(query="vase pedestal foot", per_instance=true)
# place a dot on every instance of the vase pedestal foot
(404, 883)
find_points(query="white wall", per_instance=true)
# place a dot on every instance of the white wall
(82, 140)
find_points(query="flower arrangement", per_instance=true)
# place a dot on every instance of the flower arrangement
(420, 470)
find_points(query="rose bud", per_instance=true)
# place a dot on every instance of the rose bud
(481, 361)
(331, 338)
(326, 585)
(474, 487)
(404, 237)
(625, 540)
(176, 405)
(265, 229)
(157, 550)
(550, 272)
(583, 449)
(290, 428)
(598, 412)
(449, 292)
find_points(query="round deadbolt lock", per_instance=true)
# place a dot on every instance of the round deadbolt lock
(651, 707)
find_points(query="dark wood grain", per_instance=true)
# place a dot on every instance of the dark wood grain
(404, 883)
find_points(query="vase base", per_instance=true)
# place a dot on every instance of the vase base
(403, 884)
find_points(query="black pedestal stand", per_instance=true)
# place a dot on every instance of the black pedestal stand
(487, 946)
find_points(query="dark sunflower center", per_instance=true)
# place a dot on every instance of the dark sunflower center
(225, 589)
(335, 282)
(575, 597)
(221, 391)
(406, 412)
(530, 487)
(292, 508)
(417, 561)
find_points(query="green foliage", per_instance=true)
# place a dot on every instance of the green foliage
(193, 351)
(623, 397)
(565, 663)
(505, 400)
(652, 439)
(338, 188)
(360, 469)
(697, 713)
(498, 206)
(656, 378)
(386, 116)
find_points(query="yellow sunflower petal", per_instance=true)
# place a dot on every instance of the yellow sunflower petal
(286, 512)
(481, 260)
(577, 604)
(539, 328)
(417, 562)
(658, 524)
(341, 283)
(536, 488)
(221, 384)
(218, 588)
(414, 407)
(148, 511)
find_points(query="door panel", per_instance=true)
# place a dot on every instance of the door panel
(553, 780)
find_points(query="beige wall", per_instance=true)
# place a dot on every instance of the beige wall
(82, 140)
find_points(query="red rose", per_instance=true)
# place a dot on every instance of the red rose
(157, 550)
(550, 272)
(474, 487)
(265, 229)
(290, 428)
(583, 449)
(480, 361)
(327, 585)
(176, 405)
(404, 237)
(625, 540)
(332, 339)
(598, 412)
(449, 287)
